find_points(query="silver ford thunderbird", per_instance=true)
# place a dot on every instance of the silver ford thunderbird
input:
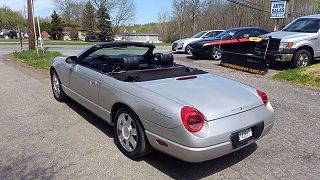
(154, 103)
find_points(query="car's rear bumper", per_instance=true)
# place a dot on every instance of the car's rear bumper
(198, 154)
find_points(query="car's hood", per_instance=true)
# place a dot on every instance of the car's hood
(214, 96)
(187, 40)
(286, 36)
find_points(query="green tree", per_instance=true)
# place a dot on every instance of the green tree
(88, 21)
(104, 23)
(56, 27)
(10, 19)
(45, 26)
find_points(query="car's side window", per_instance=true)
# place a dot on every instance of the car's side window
(212, 34)
(242, 33)
(89, 62)
(98, 61)
(258, 32)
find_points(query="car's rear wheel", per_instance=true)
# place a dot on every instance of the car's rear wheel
(215, 54)
(301, 58)
(57, 90)
(188, 49)
(129, 134)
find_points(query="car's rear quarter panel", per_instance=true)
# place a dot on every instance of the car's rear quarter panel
(152, 109)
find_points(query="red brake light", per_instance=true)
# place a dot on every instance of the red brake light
(263, 96)
(192, 119)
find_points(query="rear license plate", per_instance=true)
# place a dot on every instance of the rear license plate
(245, 134)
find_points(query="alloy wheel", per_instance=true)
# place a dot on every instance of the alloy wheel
(216, 54)
(56, 85)
(303, 60)
(127, 132)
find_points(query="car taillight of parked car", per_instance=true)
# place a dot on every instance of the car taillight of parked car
(192, 119)
(263, 96)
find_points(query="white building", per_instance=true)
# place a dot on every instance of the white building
(138, 37)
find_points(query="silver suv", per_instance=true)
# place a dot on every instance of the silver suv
(300, 41)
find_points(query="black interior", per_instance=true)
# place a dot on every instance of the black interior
(156, 73)
(137, 68)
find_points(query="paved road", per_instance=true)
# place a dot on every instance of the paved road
(41, 138)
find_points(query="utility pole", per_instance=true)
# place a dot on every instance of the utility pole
(31, 34)
(292, 10)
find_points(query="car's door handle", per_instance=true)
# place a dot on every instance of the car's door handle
(93, 82)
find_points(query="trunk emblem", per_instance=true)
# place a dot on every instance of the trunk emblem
(237, 109)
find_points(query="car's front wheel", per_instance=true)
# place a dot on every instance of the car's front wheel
(215, 54)
(188, 50)
(301, 58)
(57, 90)
(129, 134)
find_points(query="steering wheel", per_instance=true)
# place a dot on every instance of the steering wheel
(104, 63)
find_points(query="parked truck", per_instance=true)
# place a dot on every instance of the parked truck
(300, 42)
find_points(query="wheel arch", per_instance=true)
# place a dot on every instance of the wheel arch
(116, 106)
(52, 69)
(306, 47)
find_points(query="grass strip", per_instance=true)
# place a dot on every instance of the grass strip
(32, 58)
(309, 76)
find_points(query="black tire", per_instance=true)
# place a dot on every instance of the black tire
(188, 50)
(142, 147)
(301, 58)
(215, 54)
(61, 96)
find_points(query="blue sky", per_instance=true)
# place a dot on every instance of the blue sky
(147, 10)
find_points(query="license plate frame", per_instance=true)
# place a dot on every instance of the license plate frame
(245, 134)
(235, 137)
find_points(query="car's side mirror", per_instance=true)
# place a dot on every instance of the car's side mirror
(205, 37)
(72, 59)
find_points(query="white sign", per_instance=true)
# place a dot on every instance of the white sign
(278, 9)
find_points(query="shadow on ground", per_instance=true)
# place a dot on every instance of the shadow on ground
(166, 164)
(198, 58)
(100, 124)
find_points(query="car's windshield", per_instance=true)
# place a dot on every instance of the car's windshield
(121, 50)
(199, 34)
(226, 34)
(307, 25)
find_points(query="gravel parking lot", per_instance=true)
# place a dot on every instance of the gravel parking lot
(41, 138)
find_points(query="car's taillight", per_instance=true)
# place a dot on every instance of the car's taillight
(192, 119)
(263, 97)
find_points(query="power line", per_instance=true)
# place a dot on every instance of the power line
(247, 6)
(249, 2)
(255, 8)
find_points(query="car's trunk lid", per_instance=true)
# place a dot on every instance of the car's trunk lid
(214, 96)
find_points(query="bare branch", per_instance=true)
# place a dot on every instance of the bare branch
(125, 12)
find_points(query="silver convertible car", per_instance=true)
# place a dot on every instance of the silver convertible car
(154, 103)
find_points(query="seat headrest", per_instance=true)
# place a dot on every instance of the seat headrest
(164, 59)
(130, 63)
